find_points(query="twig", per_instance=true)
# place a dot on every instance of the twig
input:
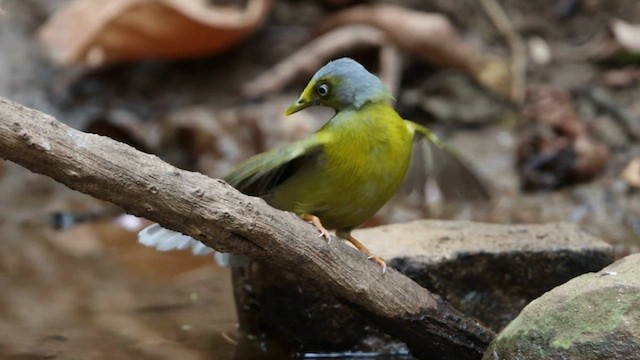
(312, 56)
(215, 213)
(501, 21)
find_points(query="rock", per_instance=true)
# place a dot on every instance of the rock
(487, 271)
(594, 316)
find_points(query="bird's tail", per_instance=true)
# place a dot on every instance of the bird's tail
(165, 240)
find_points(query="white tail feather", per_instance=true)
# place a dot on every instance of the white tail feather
(162, 239)
(165, 240)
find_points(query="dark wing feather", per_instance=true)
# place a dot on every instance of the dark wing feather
(431, 160)
(260, 174)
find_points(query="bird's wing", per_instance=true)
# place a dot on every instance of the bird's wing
(432, 160)
(258, 175)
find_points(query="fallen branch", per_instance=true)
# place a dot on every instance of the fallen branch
(221, 217)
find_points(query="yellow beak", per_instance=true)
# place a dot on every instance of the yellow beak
(300, 104)
(304, 101)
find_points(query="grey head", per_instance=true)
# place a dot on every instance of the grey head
(352, 84)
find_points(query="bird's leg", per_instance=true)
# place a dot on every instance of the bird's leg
(316, 222)
(363, 249)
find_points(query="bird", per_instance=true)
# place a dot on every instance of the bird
(342, 174)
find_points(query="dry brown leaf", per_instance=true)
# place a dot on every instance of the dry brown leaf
(592, 156)
(553, 107)
(99, 32)
(555, 147)
(432, 38)
(631, 173)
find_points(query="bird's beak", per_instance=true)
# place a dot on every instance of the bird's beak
(304, 101)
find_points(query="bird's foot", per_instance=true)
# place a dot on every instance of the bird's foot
(316, 222)
(363, 249)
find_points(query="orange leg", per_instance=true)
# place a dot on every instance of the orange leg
(363, 249)
(316, 222)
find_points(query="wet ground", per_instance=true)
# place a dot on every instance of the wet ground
(91, 292)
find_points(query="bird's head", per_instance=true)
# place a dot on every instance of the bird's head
(341, 84)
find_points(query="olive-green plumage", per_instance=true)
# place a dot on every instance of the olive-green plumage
(342, 174)
(353, 165)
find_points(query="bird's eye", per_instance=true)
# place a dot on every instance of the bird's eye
(323, 90)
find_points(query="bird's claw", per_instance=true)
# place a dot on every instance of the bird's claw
(378, 260)
(325, 234)
(316, 222)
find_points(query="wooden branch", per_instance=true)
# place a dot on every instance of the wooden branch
(221, 217)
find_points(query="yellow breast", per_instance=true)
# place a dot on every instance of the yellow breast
(365, 157)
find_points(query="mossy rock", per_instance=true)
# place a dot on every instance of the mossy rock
(594, 316)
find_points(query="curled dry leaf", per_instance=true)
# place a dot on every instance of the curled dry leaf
(432, 38)
(631, 173)
(99, 32)
(555, 148)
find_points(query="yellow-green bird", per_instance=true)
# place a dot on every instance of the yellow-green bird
(342, 174)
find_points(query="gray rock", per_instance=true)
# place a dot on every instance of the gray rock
(487, 271)
(594, 316)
